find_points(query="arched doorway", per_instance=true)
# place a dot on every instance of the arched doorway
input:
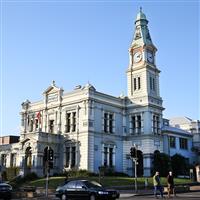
(28, 160)
(140, 170)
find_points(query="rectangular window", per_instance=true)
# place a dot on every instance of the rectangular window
(133, 122)
(183, 143)
(73, 157)
(51, 126)
(139, 83)
(105, 122)
(105, 156)
(110, 157)
(36, 124)
(156, 124)
(31, 125)
(3, 160)
(135, 84)
(74, 121)
(68, 122)
(151, 83)
(67, 156)
(13, 160)
(172, 142)
(110, 123)
(139, 124)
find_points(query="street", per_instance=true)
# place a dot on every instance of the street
(184, 196)
(181, 196)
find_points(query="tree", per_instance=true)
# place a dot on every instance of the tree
(180, 165)
(161, 163)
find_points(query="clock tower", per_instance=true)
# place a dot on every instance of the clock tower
(142, 73)
(145, 104)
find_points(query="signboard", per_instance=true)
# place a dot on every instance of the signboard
(52, 97)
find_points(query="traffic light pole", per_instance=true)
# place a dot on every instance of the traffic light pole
(135, 161)
(47, 178)
(133, 155)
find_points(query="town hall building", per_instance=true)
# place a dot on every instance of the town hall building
(87, 129)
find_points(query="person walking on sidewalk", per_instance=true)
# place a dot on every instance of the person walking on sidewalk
(157, 185)
(170, 184)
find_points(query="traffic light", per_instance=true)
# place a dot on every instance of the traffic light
(133, 152)
(50, 155)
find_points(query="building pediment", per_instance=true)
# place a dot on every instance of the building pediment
(52, 89)
(53, 93)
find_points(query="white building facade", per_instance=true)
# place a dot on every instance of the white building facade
(87, 129)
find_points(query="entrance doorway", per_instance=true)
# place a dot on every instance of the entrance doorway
(28, 161)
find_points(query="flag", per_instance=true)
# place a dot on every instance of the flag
(38, 116)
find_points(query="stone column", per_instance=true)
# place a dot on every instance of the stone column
(147, 164)
(59, 121)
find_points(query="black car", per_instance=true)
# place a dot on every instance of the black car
(5, 191)
(84, 189)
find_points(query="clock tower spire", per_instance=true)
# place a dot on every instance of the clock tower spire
(142, 73)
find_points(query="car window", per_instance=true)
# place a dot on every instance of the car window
(92, 184)
(79, 184)
(71, 184)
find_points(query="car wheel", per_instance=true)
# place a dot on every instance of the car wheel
(63, 197)
(92, 197)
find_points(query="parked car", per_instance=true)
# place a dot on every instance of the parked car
(5, 191)
(84, 189)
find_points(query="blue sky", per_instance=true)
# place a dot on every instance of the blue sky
(73, 42)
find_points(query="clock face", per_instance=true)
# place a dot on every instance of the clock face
(150, 56)
(137, 56)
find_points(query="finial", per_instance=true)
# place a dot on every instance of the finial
(53, 83)
(140, 8)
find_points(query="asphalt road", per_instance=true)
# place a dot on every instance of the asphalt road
(182, 196)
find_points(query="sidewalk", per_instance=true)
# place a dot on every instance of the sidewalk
(131, 193)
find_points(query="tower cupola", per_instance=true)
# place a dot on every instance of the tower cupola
(141, 36)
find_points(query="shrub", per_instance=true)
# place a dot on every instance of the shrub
(30, 177)
(18, 181)
(180, 165)
(78, 173)
(161, 163)
(12, 172)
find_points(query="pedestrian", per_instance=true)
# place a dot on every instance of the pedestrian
(157, 185)
(170, 184)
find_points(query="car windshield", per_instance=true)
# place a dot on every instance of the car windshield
(92, 184)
